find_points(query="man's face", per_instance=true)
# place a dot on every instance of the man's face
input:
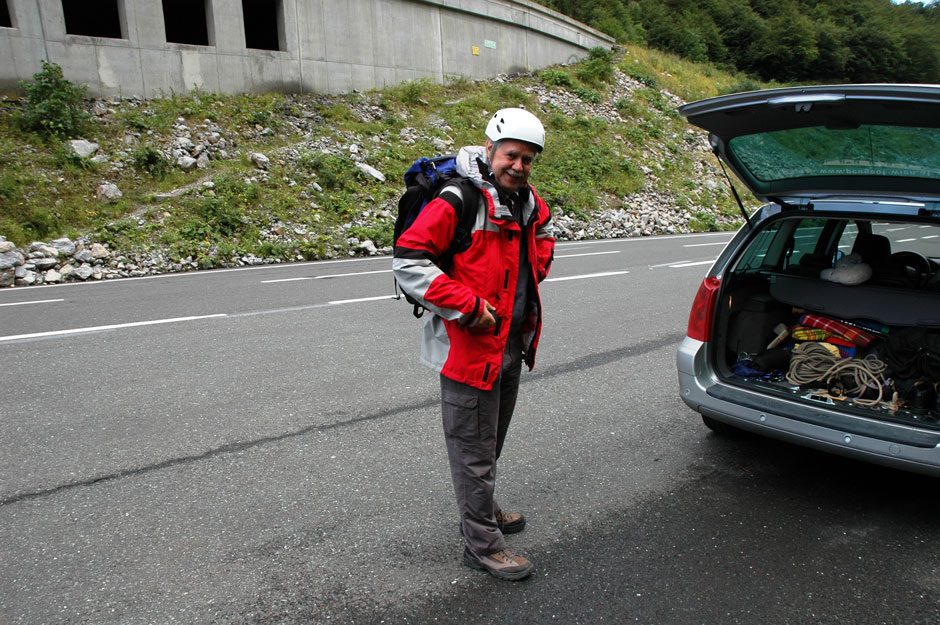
(511, 163)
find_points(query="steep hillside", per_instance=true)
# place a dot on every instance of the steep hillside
(203, 180)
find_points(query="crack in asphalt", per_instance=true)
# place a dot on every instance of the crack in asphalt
(579, 364)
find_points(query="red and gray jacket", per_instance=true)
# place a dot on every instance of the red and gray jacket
(487, 270)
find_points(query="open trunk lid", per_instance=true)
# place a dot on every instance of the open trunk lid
(861, 141)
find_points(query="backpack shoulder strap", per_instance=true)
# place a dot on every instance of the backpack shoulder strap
(464, 196)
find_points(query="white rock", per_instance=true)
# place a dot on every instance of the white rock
(65, 246)
(99, 251)
(108, 192)
(52, 276)
(44, 263)
(371, 171)
(83, 273)
(368, 247)
(260, 160)
(83, 148)
(11, 259)
(84, 256)
(27, 279)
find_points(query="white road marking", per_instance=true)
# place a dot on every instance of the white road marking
(587, 254)
(116, 326)
(701, 262)
(287, 280)
(324, 277)
(588, 275)
(704, 244)
(905, 240)
(362, 299)
(38, 301)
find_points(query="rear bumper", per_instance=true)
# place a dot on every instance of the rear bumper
(894, 445)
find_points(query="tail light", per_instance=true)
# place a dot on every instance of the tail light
(703, 310)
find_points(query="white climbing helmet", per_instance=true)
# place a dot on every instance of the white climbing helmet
(517, 124)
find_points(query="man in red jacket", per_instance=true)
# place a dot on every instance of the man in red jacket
(486, 318)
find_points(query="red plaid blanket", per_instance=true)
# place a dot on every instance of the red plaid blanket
(851, 333)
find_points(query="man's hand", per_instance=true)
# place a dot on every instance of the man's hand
(487, 318)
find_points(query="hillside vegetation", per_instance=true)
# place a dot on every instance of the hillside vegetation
(209, 180)
(820, 41)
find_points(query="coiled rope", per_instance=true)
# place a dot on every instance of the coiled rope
(812, 362)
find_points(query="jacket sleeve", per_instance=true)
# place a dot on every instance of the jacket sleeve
(544, 239)
(417, 253)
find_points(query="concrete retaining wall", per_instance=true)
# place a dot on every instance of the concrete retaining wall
(324, 46)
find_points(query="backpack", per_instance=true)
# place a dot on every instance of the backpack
(424, 180)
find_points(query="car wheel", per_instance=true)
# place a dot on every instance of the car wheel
(721, 428)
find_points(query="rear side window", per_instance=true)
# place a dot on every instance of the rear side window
(806, 239)
(755, 256)
(789, 243)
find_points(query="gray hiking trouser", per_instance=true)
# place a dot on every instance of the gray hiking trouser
(475, 426)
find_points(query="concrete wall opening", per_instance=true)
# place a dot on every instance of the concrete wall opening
(264, 24)
(185, 21)
(92, 18)
(5, 21)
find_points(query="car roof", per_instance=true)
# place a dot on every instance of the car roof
(872, 140)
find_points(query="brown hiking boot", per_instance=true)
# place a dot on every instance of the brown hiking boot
(510, 523)
(502, 564)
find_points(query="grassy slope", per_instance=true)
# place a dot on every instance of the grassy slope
(312, 185)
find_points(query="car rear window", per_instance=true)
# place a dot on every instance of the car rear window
(868, 150)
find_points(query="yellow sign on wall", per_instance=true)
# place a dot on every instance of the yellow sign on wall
(476, 50)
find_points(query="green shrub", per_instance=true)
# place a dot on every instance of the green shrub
(413, 92)
(53, 104)
(147, 159)
(136, 121)
(629, 107)
(381, 235)
(9, 186)
(40, 223)
(220, 216)
(597, 67)
(643, 75)
(703, 222)
(68, 159)
(555, 77)
(586, 94)
(260, 118)
(333, 172)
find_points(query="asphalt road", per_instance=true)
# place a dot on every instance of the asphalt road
(261, 446)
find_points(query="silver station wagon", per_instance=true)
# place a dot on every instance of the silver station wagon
(819, 324)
